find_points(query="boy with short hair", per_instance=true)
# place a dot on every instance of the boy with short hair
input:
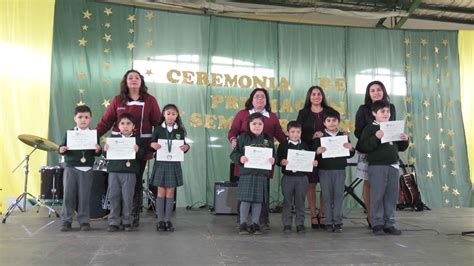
(294, 185)
(122, 177)
(332, 173)
(78, 175)
(383, 170)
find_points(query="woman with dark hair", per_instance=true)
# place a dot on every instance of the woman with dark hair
(311, 118)
(375, 91)
(258, 101)
(133, 98)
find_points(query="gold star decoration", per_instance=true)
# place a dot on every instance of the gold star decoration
(429, 174)
(81, 103)
(106, 65)
(407, 68)
(456, 192)
(107, 25)
(85, 27)
(409, 123)
(82, 58)
(436, 50)
(425, 72)
(427, 117)
(148, 72)
(408, 55)
(130, 45)
(444, 166)
(442, 146)
(453, 172)
(451, 148)
(427, 137)
(150, 30)
(426, 103)
(106, 82)
(412, 160)
(451, 132)
(131, 30)
(82, 75)
(87, 14)
(445, 42)
(106, 50)
(82, 90)
(441, 130)
(439, 96)
(446, 58)
(440, 115)
(411, 145)
(131, 18)
(452, 159)
(106, 103)
(449, 104)
(408, 99)
(437, 65)
(407, 41)
(423, 41)
(149, 43)
(107, 37)
(446, 201)
(108, 11)
(82, 42)
(438, 80)
(445, 188)
(457, 207)
(428, 155)
(446, 74)
(149, 15)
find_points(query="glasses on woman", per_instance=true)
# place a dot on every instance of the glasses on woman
(259, 97)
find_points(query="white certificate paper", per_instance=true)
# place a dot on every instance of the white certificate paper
(81, 139)
(392, 130)
(121, 149)
(176, 154)
(258, 157)
(334, 146)
(299, 160)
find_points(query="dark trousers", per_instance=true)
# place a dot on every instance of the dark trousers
(138, 194)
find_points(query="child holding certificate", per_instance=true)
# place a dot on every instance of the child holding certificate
(332, 173)
(252, 187)
(77, 179)
(122, 176)
(294, 184)
(167, 175)
(383, 170)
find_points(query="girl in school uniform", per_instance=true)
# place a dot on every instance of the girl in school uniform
(167, 175)
(253, 182)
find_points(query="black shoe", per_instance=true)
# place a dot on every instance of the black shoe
(378, 230)
(169, 227)
(136, 221)
(300, 228)
(392, 231)
(329, 228)
(315, 225)
(287, 229)
(338, 228)
(127, 227)
(112, 228)
(321, 222)
(265, 226)
(160, 226)
(255, 229)
(66, 226)
(243, 229)
(85, 227)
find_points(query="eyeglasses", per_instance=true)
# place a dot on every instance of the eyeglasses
(259, 97)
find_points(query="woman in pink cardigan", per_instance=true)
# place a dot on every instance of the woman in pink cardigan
(258, 101)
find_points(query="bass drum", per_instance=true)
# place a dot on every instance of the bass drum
(98, 198)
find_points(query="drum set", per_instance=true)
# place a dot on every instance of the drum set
(52, 182)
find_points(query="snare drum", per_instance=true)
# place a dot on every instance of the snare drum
(51, 182)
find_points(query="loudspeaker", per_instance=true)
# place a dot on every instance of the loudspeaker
(225, 198)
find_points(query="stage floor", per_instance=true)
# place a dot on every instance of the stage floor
(429, 237)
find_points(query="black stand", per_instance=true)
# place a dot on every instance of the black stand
(349, 190)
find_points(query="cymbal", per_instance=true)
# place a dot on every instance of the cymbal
(38, 142)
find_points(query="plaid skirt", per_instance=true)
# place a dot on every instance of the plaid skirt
(253, 188)
(167, 174)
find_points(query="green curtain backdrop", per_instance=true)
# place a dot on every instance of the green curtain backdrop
(208, 66)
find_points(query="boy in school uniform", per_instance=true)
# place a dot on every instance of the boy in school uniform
(332, 173)
(122, 177)
(78, 175)
(383, 170)
(294, 184)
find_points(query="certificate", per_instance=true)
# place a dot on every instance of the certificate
(392, 130)
(175, 155)
(334, 146)
(81, 139)
(299, 160)
(258, 157)
(121, 149)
